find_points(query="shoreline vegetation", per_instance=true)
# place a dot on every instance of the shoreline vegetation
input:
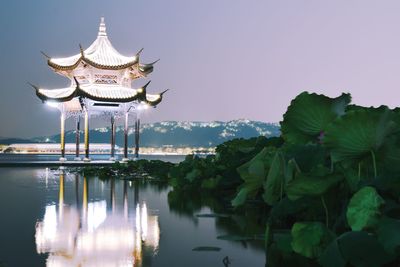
(327, 190)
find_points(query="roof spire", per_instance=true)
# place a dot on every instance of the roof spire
(102, 28)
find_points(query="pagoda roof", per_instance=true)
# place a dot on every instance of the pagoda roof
(100, 54)
(99, 92)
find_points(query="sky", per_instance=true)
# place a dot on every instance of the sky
(222, 59)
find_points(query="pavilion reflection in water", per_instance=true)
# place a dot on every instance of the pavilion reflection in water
(89, 234)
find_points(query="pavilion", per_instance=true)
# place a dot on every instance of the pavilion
(101, 86)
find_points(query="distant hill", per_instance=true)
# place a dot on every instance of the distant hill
(178, 134)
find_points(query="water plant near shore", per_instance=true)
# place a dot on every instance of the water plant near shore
(150, 169)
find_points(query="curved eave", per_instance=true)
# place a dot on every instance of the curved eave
(91, 63)
(110, 67)
(139, 95)
(61, 67)
(45, 97)
(88, 95)
(146, 69)
(156, 101)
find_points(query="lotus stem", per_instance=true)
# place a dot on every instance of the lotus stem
(359, 170)
(326, 212)
(374, 163)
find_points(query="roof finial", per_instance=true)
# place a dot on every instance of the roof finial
(102, 28)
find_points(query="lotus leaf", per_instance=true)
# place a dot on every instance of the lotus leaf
(358, 133)
(245, 191)
(210, 183)
(193, 175)
(253, 173)
(307, 185)
(389, 234)
(308, 116)
(332, 257)
(310, 238)
(363, 210)
(273, 186)
(307, 156)
(362, 249)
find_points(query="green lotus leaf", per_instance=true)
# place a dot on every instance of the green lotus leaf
(363, 210)
(388, 233)
(332, 257)
(306, 185)
(211, 183)
(283, 242)
(309, 114)
(362, 249)
(257, 167)
(390, 154)
(253, 173)
(310, 238)
(244, 192)
(307, 156)
(358, 133)
(352, 178)
(193, 175)
(273, 186)
(286, 207)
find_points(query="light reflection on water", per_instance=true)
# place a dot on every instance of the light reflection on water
(88, 233)
(36, 230)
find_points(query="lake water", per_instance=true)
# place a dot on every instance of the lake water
(9, 157)
(57, 218)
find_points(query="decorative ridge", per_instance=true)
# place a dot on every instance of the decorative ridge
(102, 28)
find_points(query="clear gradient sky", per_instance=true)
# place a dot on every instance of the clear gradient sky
(223, 59)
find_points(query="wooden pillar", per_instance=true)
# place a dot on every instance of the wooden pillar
(137, 137)
(126, 138)
(87, 159)
(112, 138)
(77, 137)
(62, 136)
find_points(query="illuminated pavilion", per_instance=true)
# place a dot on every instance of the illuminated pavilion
(101, 86)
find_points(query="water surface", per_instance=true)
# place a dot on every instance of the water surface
(57, 218)
(11, 157)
